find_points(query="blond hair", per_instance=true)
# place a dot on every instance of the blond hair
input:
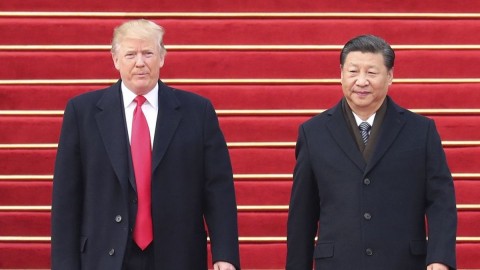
(139, 29)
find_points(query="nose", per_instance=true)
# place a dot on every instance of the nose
(139, 62)
(362, 80)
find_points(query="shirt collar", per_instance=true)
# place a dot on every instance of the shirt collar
(369, 120)
(129, 96)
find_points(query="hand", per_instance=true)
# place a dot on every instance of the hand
(437, 266)
(224, 266)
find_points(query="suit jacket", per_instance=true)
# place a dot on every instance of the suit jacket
(191, 182)
(371, 214)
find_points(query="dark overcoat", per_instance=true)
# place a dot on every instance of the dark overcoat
(191, 184)
(371, 214)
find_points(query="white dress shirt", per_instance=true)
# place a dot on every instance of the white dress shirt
(150, 109)
(369, 120)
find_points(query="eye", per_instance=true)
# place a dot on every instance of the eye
(148, 54)
(129, 55)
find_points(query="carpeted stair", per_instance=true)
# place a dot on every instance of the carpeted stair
(266, 65)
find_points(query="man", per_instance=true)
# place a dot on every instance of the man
(367, 191)
(134, 184)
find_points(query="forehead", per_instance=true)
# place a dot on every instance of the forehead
(368, 59)
(130, 43)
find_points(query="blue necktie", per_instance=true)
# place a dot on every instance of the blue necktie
(365, 131)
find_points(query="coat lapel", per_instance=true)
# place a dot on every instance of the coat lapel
(111, 124)
(338, 128)
(391, 126)
(169, 116)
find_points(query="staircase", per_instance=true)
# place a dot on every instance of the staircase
(266, 65)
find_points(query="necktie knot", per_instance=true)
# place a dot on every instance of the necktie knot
(364, 131)
(365, 126)
(140, 100)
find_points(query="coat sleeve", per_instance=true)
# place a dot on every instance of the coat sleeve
(441, 206)
(304, 210)
(67, 196)
(220, 206)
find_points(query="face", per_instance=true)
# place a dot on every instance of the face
(139, 62)
(365, 81)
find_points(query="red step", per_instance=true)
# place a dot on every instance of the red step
(230, 97)
(250, 224)
(244, 6)
(12, 255)
(247, 192)
(238, 31)
(244, 160)
(232, 64)
(19, 129)
(261, 224)
(262, 193)
(25, 223)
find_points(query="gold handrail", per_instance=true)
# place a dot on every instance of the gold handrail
(240, 208)
(52, 47)
(254, 112)
(229, 144)
(236, 177)
(240, 81)
(292, 15)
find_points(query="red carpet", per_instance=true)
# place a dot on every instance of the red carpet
(440, 82)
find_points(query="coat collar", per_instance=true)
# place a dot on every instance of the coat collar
(168, 119)
(391, 126)
(111, 124)
(338, 128)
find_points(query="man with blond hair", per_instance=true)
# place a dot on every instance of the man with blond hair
(142, 171)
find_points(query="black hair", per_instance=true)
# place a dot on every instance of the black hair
(370, 44)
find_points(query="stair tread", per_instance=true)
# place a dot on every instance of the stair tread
(244, 160)
(259, 193)
(226, 65)
(251, 224)
(12, 255)
(18, 129)
(455, 96)
(201, 31)
(247, 5)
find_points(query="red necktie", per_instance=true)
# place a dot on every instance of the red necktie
(142, 165)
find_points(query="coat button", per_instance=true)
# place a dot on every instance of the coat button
(366, 181)
(367, 216)
(118, 219)
(111, 252)
(369, 252)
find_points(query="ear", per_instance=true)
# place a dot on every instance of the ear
(390, 76)
(115, 61)
(162, 59)
(341, 72)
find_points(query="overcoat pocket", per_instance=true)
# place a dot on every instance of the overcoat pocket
(418, 247)
(83, 243)
(323, 250)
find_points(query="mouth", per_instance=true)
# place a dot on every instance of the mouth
(141, 75)
(361, 93)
